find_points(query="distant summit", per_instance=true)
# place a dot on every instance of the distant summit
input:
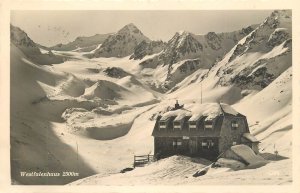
(88, 43)
(130, 28)
(122, 43)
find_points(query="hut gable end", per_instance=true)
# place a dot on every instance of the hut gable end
(232, 130)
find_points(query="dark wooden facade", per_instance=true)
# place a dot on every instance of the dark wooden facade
(200, 136)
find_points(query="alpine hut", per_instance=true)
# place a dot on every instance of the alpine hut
(204, 130)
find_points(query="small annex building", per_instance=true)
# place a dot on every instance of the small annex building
(204, 130)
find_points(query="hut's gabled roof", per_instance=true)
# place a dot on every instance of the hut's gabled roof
(195, 117)
(201, 132)
(211, 110)
(228, 109)
(182, 115)
(198, 112)
(178, 114)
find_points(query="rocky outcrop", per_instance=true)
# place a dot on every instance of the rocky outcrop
(20, 39)
(115, 72)
(213, 40)
(31, 50)
(147, 48)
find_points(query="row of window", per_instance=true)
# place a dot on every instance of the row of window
(207, 144)
(193, 125)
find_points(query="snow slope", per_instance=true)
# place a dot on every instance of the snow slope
(269, 114)
(35, 147)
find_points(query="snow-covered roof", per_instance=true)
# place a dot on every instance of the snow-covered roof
(209, 110)
(228, 109)
(178, 114)
(195, 117)
(182, 115)
(250, 137)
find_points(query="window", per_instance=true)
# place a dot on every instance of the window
(162, 124)
(177, 125)
(192, 125)
(234, 125)
(234, 143)
(208, 125)
(207, 144)
(177, 143)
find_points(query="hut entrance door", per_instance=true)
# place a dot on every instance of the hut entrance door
(193, 145)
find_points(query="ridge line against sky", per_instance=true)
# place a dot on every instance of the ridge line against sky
(53, 27)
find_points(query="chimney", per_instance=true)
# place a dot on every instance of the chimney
(177, 106)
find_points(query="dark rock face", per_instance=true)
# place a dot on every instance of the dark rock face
(151, 62)
(240, 49)
(179, 73)
(213, 40)
(277, 38)
(247, 30)
(20, 39)
(260, 78)
(288, 44)
(144, 48)
(115, 72)
(189, 66)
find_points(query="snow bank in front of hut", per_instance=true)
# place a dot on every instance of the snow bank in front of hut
(231, 163)
(179, 170)
(247, 155)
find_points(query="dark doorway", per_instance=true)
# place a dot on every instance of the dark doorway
(193, 146)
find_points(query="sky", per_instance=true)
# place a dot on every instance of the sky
(49, 28)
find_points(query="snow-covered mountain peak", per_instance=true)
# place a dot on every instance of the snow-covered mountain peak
(183, 33)
(130, 28)
(183, 45)
(121, 43)
(185, 42)
(261, 56)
